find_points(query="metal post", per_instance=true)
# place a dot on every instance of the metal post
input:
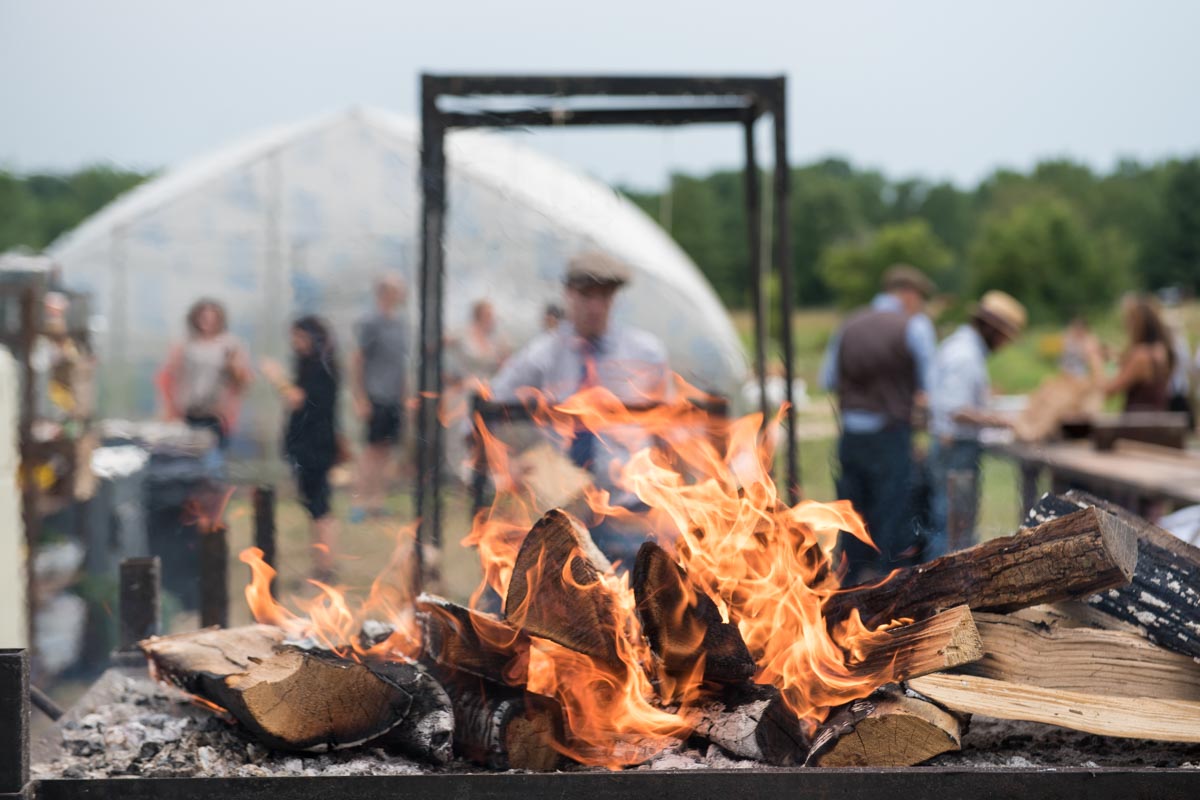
(14, 722)
(214, 576)
(30, 517)
(141, 605)
(429, 432)
(783, 265)
(264, 524)
(1029, 486)
(754, 237)
(961, 504)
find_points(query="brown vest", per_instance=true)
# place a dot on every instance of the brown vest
(875, 370)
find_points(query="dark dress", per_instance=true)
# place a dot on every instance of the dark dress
(1153, 394)
(310, 440)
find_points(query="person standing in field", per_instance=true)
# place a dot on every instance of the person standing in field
(879, 365)
(378, 374)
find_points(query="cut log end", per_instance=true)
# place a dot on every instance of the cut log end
(887, 729)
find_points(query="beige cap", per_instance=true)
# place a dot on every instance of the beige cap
(904, 276)
(1003, 312)
(596, 268)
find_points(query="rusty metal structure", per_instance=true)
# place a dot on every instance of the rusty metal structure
(455, 102)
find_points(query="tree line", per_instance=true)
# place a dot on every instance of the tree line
(1062, 237)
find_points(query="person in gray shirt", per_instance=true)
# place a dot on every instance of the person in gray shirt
(378, 371)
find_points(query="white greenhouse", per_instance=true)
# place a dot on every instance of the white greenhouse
(303, 218)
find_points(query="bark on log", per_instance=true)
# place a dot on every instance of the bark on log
(887, 729)
(945, 640)
(1114, 663)
(1074, 556)
(1133, 717)
(472, 642)
(311, 701)
(556, 590)
(1163, 600)
(684, 625)
(504, 728)
(751, 721)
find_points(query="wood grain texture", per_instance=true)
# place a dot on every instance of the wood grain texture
(945, 640)
(887, 729)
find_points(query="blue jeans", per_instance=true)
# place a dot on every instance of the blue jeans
(944, 458)
(876, 476)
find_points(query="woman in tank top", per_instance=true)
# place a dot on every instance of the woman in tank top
(1144, 372)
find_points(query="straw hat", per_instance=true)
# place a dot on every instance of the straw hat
(903, 276)
(1002, 311)
(595, 268)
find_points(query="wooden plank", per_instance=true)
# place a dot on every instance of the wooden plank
(1073, 556)
(1131, 717)
(1081, 660)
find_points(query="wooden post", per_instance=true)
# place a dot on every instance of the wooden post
(1029, 486)
(214, 576)
(264, 525)
(141, 607)
(14, 722)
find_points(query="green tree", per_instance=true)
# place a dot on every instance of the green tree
(853, 269)
(1042, 253)
(1179, 262)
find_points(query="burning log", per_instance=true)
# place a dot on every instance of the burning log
(472, 642)
(945, 640)
(1103, 714)
(1073, 556)
(314, 701)
(684, 625)
(556, 591)
(751, 720)
(504, 728)
(888, 729)
(1163, 600)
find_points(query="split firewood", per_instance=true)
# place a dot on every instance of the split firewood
(472, 642)
(684, 625)
(750, 720)
(1073, 556)
(1114, 663)
(890, 728)
(307, 700)
(1103, 714)
(1163, 600)
(945, 640)
(504, 728)
(557, 592)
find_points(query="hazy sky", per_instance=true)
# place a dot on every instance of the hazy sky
(939, 89)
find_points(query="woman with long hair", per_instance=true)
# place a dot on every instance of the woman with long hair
(310, 443)
(1144, 371)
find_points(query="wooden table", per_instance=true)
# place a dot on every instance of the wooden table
(1131, 474)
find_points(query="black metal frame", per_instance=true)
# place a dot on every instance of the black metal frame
(738, 100)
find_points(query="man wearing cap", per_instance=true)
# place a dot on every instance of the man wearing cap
(879, 363)
(958, 406)
(587, 350)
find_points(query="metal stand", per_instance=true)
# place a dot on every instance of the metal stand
(14, 723)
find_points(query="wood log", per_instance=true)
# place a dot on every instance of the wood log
(472, 642)
(890, 728)
(1050, 656)
(306, 700)
(945, 640)
(684, 625)
(1073, 556)
(750, 720)
(1133, 717)
(504, 728)
(557, 592)
(1163, 600)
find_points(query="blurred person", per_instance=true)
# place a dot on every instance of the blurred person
(552, 317)
(310, 443)
(959, 405)
(378, 370)
(1081, 351)
(879, 364)
(1180, 387)
(206, 376)
(1146, 365)
(479, 350)
(588, 350)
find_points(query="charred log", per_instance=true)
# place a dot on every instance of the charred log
(751, 721)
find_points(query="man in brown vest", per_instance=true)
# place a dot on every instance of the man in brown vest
(878, 363)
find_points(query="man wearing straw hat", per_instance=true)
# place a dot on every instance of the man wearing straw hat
(958, 406)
